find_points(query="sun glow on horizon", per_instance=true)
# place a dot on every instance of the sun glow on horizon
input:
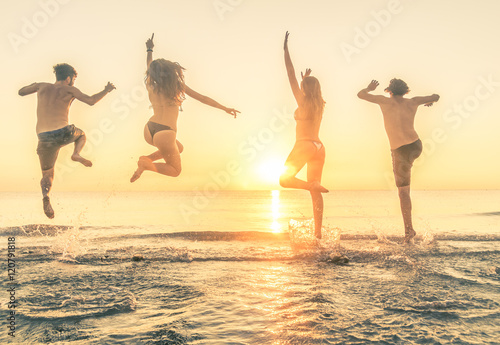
(231, 63)
(270, 171)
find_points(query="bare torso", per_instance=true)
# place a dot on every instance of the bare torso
(306, 129)
(52, 111)
(399, 116)
(166, 111)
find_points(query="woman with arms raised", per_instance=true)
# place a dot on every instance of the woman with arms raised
(166, 90)
(308, 148)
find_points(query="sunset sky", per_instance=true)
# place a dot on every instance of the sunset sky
(233, 52)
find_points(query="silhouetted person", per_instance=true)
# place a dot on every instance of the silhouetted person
(166, 90)
(399, 115)
(308, 148)
(52, 125)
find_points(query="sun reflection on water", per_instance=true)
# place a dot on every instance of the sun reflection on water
(286, 304)
(275, 209)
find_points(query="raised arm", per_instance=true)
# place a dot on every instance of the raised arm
(91, 100)
(428, 101)
(28, 90)
(367, 96)
(208, 101)
(149, 49)
(297, 92)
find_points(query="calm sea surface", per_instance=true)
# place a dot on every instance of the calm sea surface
(243, 268)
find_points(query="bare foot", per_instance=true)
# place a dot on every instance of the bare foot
(77, 158)
(47, 208)
(409, 236)
(144, 163)
(316, 187)
(317, 242)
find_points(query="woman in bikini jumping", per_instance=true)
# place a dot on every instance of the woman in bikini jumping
(166, 90)
(308, 149)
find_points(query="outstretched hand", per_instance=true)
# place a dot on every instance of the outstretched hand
(149, 42)
(372, 86)
(431, 103)
(232, 111)
(109, 87)
(285, 45)
(307, 74)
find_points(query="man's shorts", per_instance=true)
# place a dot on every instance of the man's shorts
(49, 144)
(402, 162)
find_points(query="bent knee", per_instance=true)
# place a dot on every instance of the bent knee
(180, 147)
(284, 181)
(177, 172)
(81, 136)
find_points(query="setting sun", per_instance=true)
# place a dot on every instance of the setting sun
(270, 170)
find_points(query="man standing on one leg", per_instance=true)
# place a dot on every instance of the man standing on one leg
(52, 125)
(399, 115)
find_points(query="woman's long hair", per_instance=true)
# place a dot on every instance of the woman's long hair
(314, 103)
(166, 77)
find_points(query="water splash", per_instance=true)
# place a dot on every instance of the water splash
(331, 238)
(70, 243)
(428, 238)
(178, 254)
(305, 244)
(381, 237)
(302, 235)
(71, 247)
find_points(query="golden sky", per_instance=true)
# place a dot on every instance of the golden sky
(233, 52)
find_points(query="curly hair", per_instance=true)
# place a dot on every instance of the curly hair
(397, 87)
(314, 102)
(166, 77)
(63, 71)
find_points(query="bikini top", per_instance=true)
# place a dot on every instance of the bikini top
(297, 116)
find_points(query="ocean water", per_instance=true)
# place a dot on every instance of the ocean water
(243, 268)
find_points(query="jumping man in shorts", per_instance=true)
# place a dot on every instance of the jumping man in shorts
(399, 115)
(52, 125)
